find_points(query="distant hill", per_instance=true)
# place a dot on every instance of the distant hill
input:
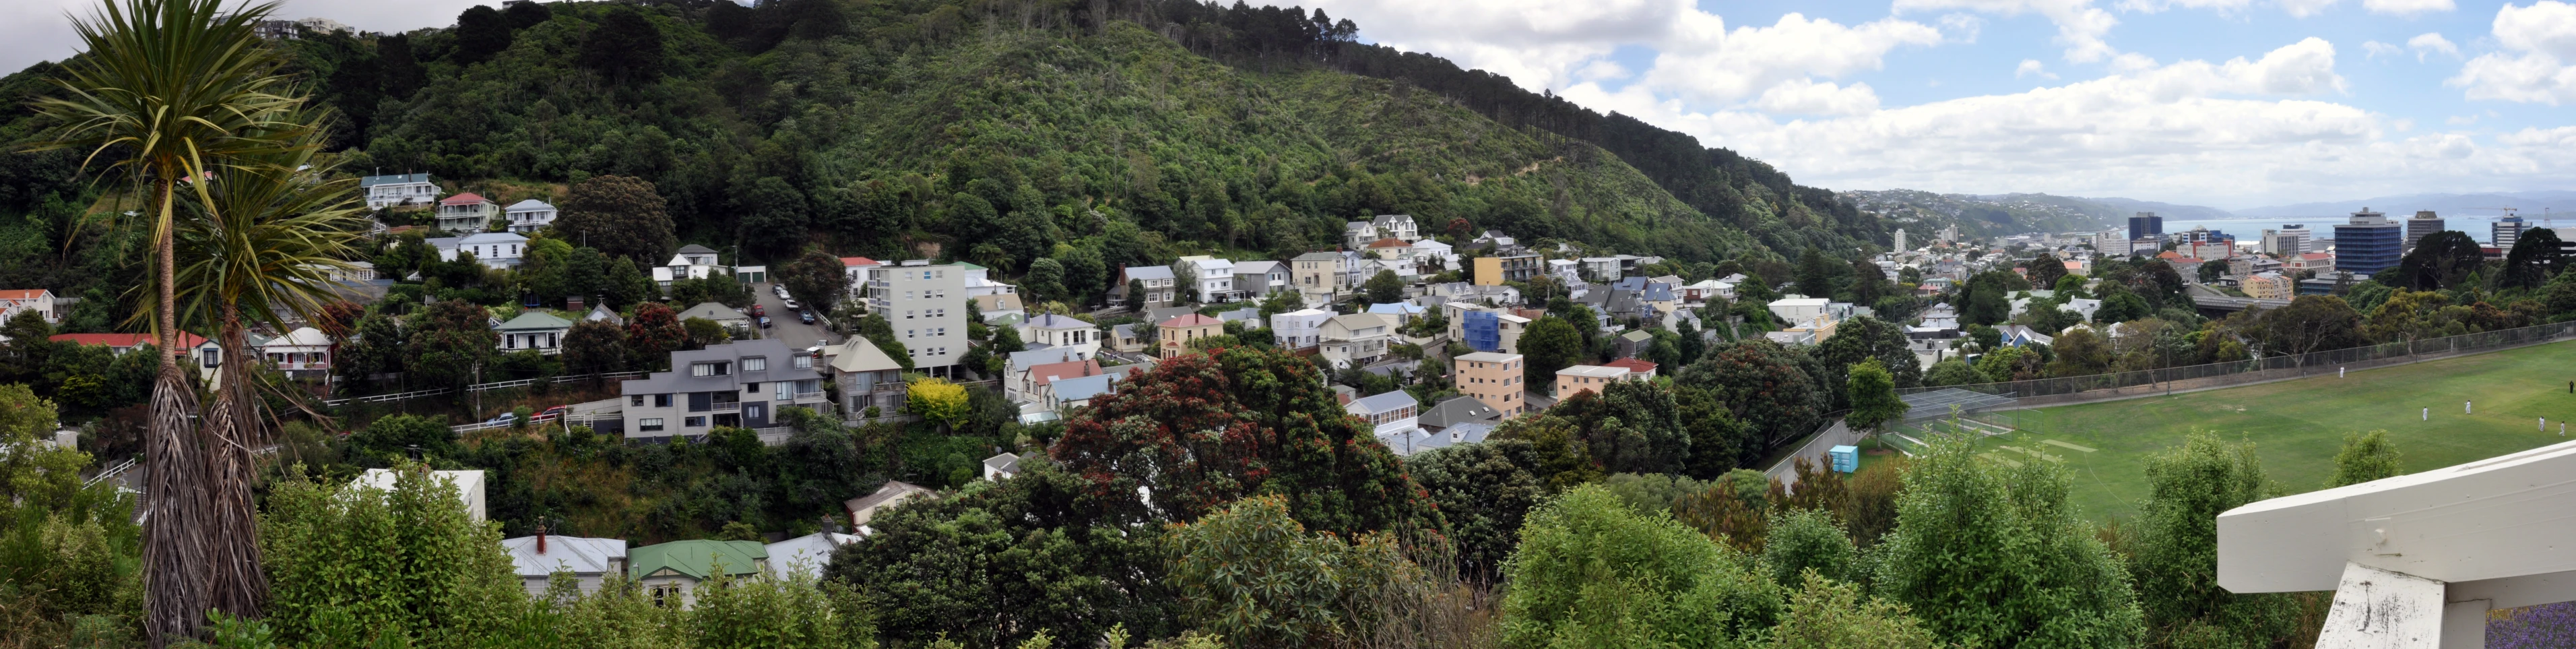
(2167, 210)
(1923, 212)
(2529, 203)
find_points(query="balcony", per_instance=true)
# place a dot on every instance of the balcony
(809, 397)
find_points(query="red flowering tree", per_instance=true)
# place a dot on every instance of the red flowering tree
(653, 333)
(1200, 431)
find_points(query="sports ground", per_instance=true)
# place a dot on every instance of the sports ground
(2298, 425)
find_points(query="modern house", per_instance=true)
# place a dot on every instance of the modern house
(589, 560)
(861, 271)
(1391, 413)
(1319, 276)
(529, 215)
(466, 212)
(1431, 251)
(500, 250)
(1172, 337)
(304, 349)
(1586, 378)
(926, 303)
(868, 378)
(865, 508)
(671, 573)
(534, 329)
(1003, 466)
(1493, 378)
(1298, 329)
(398, 189)
(740, 384)
(468, 486)
(1799, 309)
(805, 555)
(1485, 329)
(1355, 339)
(1061, 331)
(978, 281)
(1496, 270)
(25, 300)
(1215, 278)
(1156, 283)
(1254, 280)
(1638, 369)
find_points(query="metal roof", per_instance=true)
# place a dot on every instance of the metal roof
(698, 559)
(577, 554)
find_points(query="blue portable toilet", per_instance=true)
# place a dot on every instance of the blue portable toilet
(1846, 458)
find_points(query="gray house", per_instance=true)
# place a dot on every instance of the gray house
(741, 384)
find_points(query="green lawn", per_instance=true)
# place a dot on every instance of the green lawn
(2297, 426)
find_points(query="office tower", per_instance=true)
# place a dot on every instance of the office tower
(2506, 231)
(2288, 241)
(2423, 225)
(2370, 243)
(2146, 225)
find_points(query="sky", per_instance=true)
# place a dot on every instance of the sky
(2229, 103)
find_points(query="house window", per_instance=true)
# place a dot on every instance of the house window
(783, 391)
(700, 402)
(751, 387)
(755, 364)
(662, 400)
(648, 425)
(718, 368)
(755, 411)
(635, 400)
(694, 422)
(804, 361)
(212, 358)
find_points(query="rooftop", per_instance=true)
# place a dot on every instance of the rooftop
(467, 198)
(699, 559)
(1384, 402)
(1490, 357)
(1191, 320)
(577, 554)
(1596, 371)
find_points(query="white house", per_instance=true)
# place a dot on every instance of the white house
(1258, 279)
(589, 560)
(1392, 413)
(1400, 226)
(302, 349)
(467, 212)
(1299, 329)
(495, 249)
(979, 282)
(860, 270)
(1356, 339)
(1061, 331)
(529, 215)
(692, 262)
(1799, 309)
(806, 555)
(1215, 278)
(1002, 466)
(535, 329)
(1425, 250)
(37, 300)
(398, 189)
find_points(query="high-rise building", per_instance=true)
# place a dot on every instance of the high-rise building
(1494, 379)
(927, 305)
(2290, 240)
(2370, 243)
(1900, 241)
(2146, 225)
(2423, 225)
(2506, 231)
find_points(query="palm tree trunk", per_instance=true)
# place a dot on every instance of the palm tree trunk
(238, 586)
(174, 551)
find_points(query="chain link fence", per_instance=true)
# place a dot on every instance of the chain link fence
(2071, 389)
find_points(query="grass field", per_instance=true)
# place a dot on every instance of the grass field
(2297, 426)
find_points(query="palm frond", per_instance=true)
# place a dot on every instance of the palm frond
(269, 233)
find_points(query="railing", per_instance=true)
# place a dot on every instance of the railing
(774, 435)
(110, 473)
(809, 396)
(2256, 370)
(480, 387)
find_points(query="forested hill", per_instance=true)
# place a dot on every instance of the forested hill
(1004, 131)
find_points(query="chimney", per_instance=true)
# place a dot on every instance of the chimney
(541, 539)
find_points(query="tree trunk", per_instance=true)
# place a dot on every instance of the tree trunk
(238, 586)
(174, 554)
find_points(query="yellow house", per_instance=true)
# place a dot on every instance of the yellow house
(1495, 379)
(1173, 336)
(1489, 271)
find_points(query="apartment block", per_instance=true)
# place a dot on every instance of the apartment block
(926, 303)
(739, 384)
(1495, 379)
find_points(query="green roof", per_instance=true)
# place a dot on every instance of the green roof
(537, 320)
(971, 266)
(697, 559)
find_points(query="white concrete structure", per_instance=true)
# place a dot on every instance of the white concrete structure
(1799, 309)
(860, 270)
(1215, 278)
(1299, 329)
(529, 215)
(927, 306)
(979, 282)
(2416, 560)
(494, 249)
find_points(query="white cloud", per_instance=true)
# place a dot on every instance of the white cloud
(1703, 61)
(1807, 97)
(2406, 7)
(2153, 6)
(2080, 25)
(2030, 67)
(2376, 49)
(2306, 8)
(2430, 42)
(2539, 41)
(2461, 120)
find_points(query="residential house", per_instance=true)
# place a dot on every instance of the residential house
(1638, 369)
(1027, 383)
(534, 329)
(1155, 281)
(304, 349)
(1255, 280)
(1078, 391)
(467, 212)
(1799, 309)
(1357, 234)
(1431, 252)
(468, 486)
(1496, 270)
(30, 300)
(1001, 307)
(864, 508)
(529, 215)
(1299, 329)
(1458, 410)
(1493, 378)
(601, 313)
(979, 282)
(1016, 365)
(1215, 278)
(1565, 270)
(671, 573)
(1486, 329)
(806, 555)
(926, 304)
(1633, 342)
(398, 189)
(589, 560)
(1001, 467)
(867, 377)
(1390, 248)
(1126, 338)
(2270, 286)
(1391, 413)
(719, 314)
(1061, 331)
(1582, 378)
(119, 344)
(1399, 226)
(1356, 339)
(1173, 336)
(1250, 316)
(500, 250)
(693, 261)
(1600, 269)
(861, 271)
(446, 247)
(2014, 335)
(740, 384)
(1403, 312)
(1318, 276)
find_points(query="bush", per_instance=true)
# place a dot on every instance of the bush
(1590, 571)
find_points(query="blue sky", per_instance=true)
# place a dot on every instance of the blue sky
(2232, 103)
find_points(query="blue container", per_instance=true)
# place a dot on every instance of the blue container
(1846, 458)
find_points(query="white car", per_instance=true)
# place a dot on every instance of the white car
(780, 289)
(791, 302)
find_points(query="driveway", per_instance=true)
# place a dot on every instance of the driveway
(783, 324)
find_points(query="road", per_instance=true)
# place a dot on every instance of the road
(783, 324)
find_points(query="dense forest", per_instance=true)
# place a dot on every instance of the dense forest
(997, 132)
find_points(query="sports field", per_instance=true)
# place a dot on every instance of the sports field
(2297, 426)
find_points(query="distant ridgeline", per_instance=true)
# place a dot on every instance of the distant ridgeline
(1007, 131)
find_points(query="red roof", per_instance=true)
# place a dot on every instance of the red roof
(124, 340)
(1191, 320)
(1389, 242)
(858, 261)
(467, 198)
(21, 293)
(1048, 373)
(1633, 366)
(2317, 255)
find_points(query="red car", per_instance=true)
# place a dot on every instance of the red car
(757, 311)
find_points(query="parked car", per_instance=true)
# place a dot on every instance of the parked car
(758, 310)
(502, 418)
(791, 303)
(805, 316)
(764, 322)
(780, 289)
